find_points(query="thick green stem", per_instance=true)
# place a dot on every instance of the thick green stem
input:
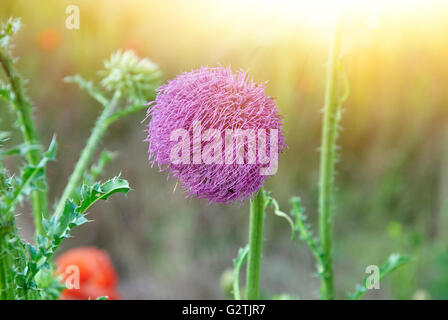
(23, 111)
(327, 161)
(7, 285)
(257, 208)
(87, 153)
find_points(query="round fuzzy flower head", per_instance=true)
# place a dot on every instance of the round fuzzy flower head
(216, 132)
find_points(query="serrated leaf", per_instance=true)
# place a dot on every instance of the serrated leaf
(32, 251)
(50, 154)
(91, 194)
(67, 216)
(394, 262)
(30, 176)
(58, 228)
(21, 149)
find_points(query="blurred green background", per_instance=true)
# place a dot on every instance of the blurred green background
(392, 180)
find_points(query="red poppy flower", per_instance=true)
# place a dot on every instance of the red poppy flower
(88, 273)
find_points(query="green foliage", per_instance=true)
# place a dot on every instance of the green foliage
(299, 226)
(17, 284)
(6, 92)
(58, 228)
(133, 77)
(237, 264)
(303, 229)
(97, 169)
(89, 87)
(272, 202)
(33, 270)
(394, 262)
(140, 78)
(50, 287)
(31, 178)
(305, 233)
(91, 194)
(21, 150)
(29, 267)
(7, 30)
(26, 269)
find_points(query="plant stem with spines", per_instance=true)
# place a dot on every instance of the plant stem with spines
(23, 109)
(87, 153)
(257, 209)
(327, 161)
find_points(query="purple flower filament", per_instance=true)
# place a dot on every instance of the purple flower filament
(214, 130)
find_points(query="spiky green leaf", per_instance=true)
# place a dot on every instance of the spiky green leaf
(394, 262)
(91, 194)
(89, 87)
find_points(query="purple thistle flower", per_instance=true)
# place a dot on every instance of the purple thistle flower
(214, 98)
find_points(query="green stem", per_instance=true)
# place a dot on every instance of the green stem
(327, 161)
(242, 257)
(87, 153)
(23, 110)
(3, 270)
(7, 285)
(257, 207)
